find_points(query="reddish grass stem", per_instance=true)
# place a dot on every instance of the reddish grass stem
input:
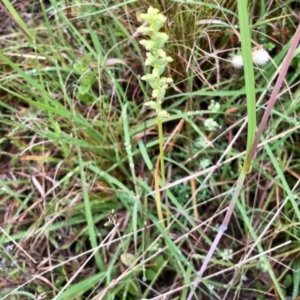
(280, 79)
(261, 128)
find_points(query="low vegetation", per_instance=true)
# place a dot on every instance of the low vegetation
(128, 131)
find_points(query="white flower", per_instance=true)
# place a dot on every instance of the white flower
(260, 56)
(227, 254)
(204, 163)
(210, 124)
(237, 61)
(214, 106)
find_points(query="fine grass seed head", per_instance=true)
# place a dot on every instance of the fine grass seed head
(112, 218)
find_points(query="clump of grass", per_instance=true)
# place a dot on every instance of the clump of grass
(77, 144)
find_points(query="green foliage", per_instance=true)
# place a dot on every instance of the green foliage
(78, 144)
(88, 77)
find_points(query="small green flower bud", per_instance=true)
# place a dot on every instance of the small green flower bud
(151, 104)
(155, 72)
(163, 114)
(155, 93)
(149, 78)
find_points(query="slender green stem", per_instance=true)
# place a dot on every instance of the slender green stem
(249, 80)
(12, 14)
(161, 149)
(161, 158)
(251, 147)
